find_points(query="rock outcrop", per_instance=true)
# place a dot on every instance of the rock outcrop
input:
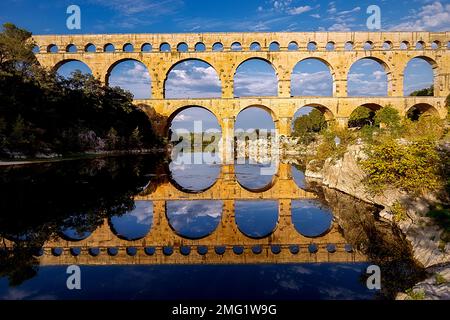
(423, 234)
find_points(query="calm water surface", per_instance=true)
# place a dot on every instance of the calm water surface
(69, 202)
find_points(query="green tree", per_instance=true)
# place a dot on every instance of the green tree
(413, 167)
(311, 122)
(423, 92)
(15, 49)
(112, 139)
(388, 116)
(360, 117)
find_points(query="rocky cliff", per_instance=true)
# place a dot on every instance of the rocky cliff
(422, 233)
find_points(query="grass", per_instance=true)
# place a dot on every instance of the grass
(415, 295)
(440, 279)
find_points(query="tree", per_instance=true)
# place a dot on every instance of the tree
(388, 116)
(15, 48)
(136, 138)
(361, 117)
(423, 92)
(112, 139)
(309, 123)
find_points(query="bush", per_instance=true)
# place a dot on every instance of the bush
(388, 116)
(413, 167)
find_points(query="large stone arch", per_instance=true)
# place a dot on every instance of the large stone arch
(324, 61)
(209, 62)
(434, 66)
(60, 63)
(175, 111)
(245, 59)
(120, 60)
(423, 109)
(269, 110)
(386, 67)
(326, 111)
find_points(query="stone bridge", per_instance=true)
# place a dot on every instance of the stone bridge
(225, 52)
(226, 245)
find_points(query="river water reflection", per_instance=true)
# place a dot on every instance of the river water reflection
(179, 231)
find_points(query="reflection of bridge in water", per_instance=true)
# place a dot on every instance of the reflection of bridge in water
(225, 245)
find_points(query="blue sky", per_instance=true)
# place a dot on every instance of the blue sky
(197, 79)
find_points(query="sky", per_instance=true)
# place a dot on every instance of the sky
(255, 77)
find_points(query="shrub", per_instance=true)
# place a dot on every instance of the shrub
(399, 212)
(388, 116)
(413, 167)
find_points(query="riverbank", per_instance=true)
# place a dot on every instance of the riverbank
(422, 232)
(79, 156)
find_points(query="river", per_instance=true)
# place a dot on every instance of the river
(146, 227)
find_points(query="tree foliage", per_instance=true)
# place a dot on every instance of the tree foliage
(41, 112)
(388, 116)
(307, 125)
(362, 116)
(423, 92)
(413, 167)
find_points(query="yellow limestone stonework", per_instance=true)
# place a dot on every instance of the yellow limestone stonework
(227, 234)
(393, 50)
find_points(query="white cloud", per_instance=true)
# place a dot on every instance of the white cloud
(299, 10)
(193, 80)
(431, 17)
(315, 16)
(356, 9)
(255, 84)
(339, 27)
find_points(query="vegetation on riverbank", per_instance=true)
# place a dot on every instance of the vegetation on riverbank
(42, 113)
(401, 154)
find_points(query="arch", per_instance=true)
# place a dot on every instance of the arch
(312, 46)
(128, 47)
(387, 45)
(36, 49)
(130, 69)
(109, 47)
(330, 46)
(369, 76)
(421, 109)
(134, 224)
(198, 79)
(200, 47)
(194, 219)
(404, 45)
(420, 45)
(146, 47)
(165, 47)
(52, 48)
(348, 46)
(90, 47)
(180, 109)
(368, 45)
(182, 47)
(217, 47)
(80, 65)
(255, 46)
(306, 121)
(327, 113)
(247, 85)
(236, 46)
(436, 45)
(310, 218)
(317, 81)
(71, 48)
(274, 46)
(256, 219)
(415, 77)
(363, 115)
(293, 46)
